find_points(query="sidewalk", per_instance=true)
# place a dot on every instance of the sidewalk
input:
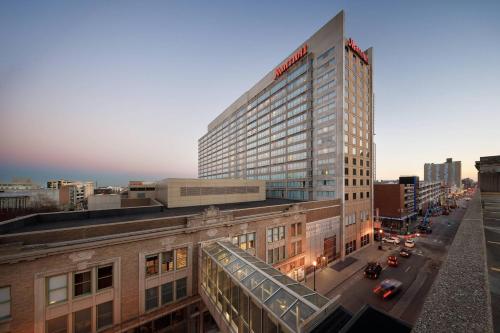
(328, 278)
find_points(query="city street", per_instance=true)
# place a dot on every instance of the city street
(417, 272)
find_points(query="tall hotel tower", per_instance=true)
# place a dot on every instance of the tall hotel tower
(307, 129)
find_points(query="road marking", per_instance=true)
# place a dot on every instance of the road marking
(495, 269)
(406, 270)
(384, 268)
(494, 242)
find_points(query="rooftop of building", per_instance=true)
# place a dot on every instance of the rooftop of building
(60, 220)
(21, 236)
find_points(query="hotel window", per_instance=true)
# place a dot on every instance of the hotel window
(57, 287)
(104, 315)
(346, 196)
(245, 241)
(167, 293)
(180, 288)
(361, 182)
(361, 172)
(167, 261)
(152, 265)
(104, 277)
(152, 298)
(361, 195)
(346, 182)
(296, 229)
(354, 172)
(367, 194)
(346, 171)
(82, 321)
(4, 303)
(296, 248)
(82, 283)
(354, 196)
(181, 258)
(354, 182)
(58, 325)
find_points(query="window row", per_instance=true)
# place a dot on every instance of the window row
(82, 320)
(170, 261)
(164, 294)
(83, 283)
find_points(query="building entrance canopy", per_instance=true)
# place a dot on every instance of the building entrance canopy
(247, 293)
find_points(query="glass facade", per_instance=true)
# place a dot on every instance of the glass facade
(269, 138)
(252, 296)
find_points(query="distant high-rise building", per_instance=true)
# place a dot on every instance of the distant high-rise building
(449, 172)
(306, 128)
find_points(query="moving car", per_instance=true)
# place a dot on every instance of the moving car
(409, 243)
(373, 270)
(404, 253)
(392, 261)
(393, 240)
(388, 288)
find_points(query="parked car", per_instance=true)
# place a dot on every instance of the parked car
(392, 261)
(405, 253)
(373, 270)
(446, 212)
(424, 229)
(392, 240)
(388, 288)
(409, 243)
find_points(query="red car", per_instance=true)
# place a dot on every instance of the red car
(392, 261)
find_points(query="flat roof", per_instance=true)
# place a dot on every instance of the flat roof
(59, 220)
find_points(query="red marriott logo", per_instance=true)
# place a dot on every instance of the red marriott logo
(292, 60)
(352, 44)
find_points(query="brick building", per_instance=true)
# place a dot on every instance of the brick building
(136, 269)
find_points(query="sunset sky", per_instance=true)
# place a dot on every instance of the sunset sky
(118, 90)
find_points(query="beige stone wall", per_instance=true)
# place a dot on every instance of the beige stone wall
(169, 191)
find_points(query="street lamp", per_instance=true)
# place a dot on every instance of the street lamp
(324, 260)
(380, 231)
(314, 281)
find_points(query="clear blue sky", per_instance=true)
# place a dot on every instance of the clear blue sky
(113, 90)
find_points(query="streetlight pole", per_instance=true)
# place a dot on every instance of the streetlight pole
(314, 278)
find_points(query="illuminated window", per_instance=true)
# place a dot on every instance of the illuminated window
(181, 258)
(57, 287)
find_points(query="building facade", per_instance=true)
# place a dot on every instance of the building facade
(430, 194)
(140, 271)
(449, 172)
(306, 128)
(138, 189)
(488, 173)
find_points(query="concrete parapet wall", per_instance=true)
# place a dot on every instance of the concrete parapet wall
(459, 300)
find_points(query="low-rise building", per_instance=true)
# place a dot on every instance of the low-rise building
(73, 195)
(138, 189)
(18, 184)
(140, 269)
(184, 192)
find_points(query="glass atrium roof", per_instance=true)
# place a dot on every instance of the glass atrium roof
(291, 302)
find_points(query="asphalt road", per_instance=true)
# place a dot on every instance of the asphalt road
(417, 273)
